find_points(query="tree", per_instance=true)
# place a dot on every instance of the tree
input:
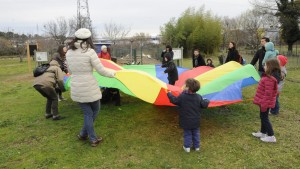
(114, 31)
(252, 23)
(141, 39)
(168, 32)
(193, 29)
(59, 29)
(288, 13)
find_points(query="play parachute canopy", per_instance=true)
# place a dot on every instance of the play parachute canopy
(221, 85)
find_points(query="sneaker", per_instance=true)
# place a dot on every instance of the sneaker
(197, 149)
(186, 149)
(57, 117)
(83, 138)
(96, 142)
(259, 135)
(61, 98)
(47, 116)
(274, 113)
(269, 139)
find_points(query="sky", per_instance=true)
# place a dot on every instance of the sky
(147, 16)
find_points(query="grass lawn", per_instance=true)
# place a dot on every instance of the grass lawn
(138, 134)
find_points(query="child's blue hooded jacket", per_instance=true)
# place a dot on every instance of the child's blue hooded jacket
(271, 53)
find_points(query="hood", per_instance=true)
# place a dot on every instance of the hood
(269, 46)
(282, 59)
(168, 56)
(54, 63)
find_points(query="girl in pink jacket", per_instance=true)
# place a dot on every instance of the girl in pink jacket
(265, 98)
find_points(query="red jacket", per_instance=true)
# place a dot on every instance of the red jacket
(266, 93)
(104, 55)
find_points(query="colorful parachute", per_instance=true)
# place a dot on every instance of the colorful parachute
(221, 85)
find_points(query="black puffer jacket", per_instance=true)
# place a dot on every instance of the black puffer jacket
(190, 105)
(198, 61)
(171, 68)
(233, 55)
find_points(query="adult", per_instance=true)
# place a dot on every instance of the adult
(45, 84)
(198, 59)
(104, 54)
(82, 59)
(109, 93)
(167, 50)
(259, 55)
(233, 53)
(60, 57)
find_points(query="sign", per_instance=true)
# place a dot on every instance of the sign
(177, 53)
(41, 56)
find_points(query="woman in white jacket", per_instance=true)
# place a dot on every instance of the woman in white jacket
(82, 59)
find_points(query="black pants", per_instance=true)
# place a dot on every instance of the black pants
(52, 101)
(111, 94)
(266, 126)
(172, 82)
(59, 92)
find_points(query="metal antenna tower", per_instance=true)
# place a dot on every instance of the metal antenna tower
(83, 15)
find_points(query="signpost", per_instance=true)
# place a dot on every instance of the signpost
(41, 56)
(178, 55)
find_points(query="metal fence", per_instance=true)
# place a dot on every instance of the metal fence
(293, 58)
(141, 55)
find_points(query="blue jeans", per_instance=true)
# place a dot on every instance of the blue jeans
(191, 136)
(266, 126)
(90, 111)
(275, 110)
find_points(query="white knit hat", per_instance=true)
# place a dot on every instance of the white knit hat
(83, 33)
(103, 47)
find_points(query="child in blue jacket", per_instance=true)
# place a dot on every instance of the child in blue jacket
(190, 104)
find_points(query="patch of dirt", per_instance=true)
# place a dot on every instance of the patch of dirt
(18, 78)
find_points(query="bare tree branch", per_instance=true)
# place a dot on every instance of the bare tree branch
(114, 31)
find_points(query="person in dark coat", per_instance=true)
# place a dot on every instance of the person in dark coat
(198, 59)
(171, 69)
(233, 53)
(190, 104)
(60, 57)
(259, 55)
(167, 50)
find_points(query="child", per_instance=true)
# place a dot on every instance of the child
(209, 63)
(282, 60)
(265, 98)
(271, 53)
(190, 104)
(171, 69)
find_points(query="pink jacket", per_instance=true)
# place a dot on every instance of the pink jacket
(266, 93)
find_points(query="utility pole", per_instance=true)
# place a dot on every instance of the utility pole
(83, 15)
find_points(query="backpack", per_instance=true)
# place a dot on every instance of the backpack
(40, 69)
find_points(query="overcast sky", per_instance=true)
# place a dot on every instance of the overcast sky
(29, 16)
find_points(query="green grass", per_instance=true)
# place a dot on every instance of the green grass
(138, 134)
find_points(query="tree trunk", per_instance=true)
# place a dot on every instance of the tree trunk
(21, 58)
(290, 49)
